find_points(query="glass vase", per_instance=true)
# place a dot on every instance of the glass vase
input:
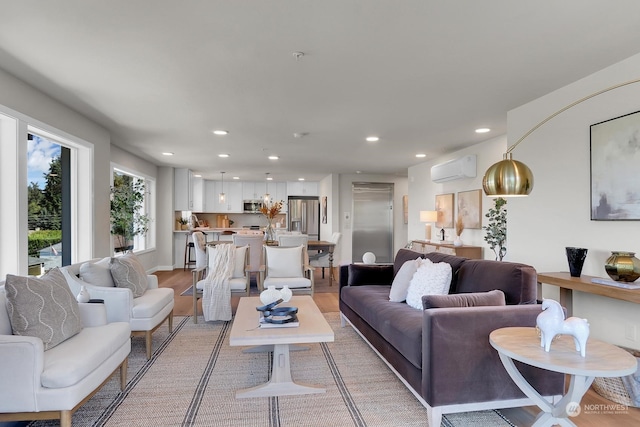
(269, 232)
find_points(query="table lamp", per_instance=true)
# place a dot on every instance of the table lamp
(428, 217)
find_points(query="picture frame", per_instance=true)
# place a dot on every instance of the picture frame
(470, 208)
(324, 209)
(444, 207)
(405, 208)
(615, 176)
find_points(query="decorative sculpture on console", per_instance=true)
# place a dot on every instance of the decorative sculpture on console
(551, 322)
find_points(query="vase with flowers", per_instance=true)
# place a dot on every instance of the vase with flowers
(459, 228)
(270, 210)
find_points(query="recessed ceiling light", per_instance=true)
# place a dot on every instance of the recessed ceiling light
(273, 157)
(223, 155)
(269, 178)
(372, 138)
(197, 175)
(420, 155)
(167, 153)
(221, 132)
(236, 177)
(483, 130)
(300, 179)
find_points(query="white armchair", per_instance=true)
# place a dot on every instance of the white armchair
(287, 266)
(144, 313)
(52, 384)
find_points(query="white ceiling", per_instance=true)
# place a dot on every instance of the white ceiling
(421, 74)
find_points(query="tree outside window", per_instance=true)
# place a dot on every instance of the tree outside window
(128, 214)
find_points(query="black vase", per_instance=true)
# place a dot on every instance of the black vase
(576, 257)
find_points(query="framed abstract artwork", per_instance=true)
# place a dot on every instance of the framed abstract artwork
(444, 207)
(470, 208)
(615, 175)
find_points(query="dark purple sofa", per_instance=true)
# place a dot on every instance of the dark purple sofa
(443, 354)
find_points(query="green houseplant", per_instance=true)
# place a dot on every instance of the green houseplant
(127, 215)
(496, 235)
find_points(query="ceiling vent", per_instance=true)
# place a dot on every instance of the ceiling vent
(464, 167)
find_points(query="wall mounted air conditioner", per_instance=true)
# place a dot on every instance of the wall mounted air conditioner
(464, 167)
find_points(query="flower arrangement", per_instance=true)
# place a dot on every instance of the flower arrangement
(459, 226)
(270, 210)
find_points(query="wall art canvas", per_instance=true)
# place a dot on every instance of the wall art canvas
(615, 169)
(324, 209)
(405, 209)
(470, 208)
(444, 206)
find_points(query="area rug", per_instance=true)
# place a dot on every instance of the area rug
(193, 375)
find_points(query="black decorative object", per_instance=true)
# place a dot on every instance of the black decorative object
(576, 257)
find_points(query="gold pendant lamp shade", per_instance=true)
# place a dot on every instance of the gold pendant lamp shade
(509, 178)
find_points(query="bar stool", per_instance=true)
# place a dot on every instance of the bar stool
(189, 253)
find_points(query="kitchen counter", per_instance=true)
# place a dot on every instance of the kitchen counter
(211, 230)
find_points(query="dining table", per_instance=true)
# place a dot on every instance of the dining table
(323, 246)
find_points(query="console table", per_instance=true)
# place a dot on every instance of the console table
(523, 344)
(568, 284)
(472, 252)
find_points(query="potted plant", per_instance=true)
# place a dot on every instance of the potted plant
(497, 229)
(127, 216)
(183, 223)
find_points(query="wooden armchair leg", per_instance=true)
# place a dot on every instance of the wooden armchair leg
(147, 335)
(123, 374)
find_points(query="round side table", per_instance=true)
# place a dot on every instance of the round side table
(523, 344)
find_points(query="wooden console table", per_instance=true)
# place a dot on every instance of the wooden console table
(472, 252)
(568, 284)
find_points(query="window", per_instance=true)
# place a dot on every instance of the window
(132, 205)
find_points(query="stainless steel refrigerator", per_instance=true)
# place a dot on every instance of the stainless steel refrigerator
(304, 216)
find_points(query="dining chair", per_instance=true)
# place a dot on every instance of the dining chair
(287, 265)
(293, 240)
(255, 243)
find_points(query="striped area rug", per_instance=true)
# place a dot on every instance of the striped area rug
(193, 375)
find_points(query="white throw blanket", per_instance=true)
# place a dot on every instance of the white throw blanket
(216, 297)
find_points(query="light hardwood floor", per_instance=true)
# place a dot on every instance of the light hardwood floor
(599, 415)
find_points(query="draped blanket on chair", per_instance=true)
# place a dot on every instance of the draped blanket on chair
(216, 297)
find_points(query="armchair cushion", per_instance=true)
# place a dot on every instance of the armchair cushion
(43, 307)
(473, 299)
(97, 273)
(429, 279)
(128, 272)
(284, 262)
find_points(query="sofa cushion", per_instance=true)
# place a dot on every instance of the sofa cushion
(81, 355)
(475, 299)
(401, 282)
(43, 307)
(397, 323)
(429, 279)
(128, 272)
(519, 282)
(151, 303)
(97, 273)
(370, 274)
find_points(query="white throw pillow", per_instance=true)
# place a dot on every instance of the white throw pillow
(284, 262)
(429, 279)
(400, 285)
(238, 268)
(97, 273)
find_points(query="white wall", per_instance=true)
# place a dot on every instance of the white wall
(422, 192)
(557, 213)
(346, 205)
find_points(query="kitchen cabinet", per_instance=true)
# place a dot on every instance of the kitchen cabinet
(281, 195)
(233, 197)
(197, 197)
(302, 188)
(183, 189)
(253, 190)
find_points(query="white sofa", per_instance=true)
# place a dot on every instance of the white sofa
(53, 384)
(145, 314)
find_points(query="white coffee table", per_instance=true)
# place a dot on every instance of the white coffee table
(245, 332)
(523, 344)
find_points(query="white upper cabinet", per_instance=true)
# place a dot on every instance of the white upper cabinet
(253, 190)
(183, 190)
(197, 188)
(233, 197)
(302, 188)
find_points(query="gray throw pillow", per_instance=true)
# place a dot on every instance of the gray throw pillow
(97, 273)
(42, 307)
(474, 299)
(128, 272)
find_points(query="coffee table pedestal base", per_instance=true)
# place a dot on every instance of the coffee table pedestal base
(281, 383)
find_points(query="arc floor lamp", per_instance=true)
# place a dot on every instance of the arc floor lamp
(511, 178)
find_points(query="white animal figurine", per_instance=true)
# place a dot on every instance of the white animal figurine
(551, 322)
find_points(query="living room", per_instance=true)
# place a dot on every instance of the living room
(555, 215)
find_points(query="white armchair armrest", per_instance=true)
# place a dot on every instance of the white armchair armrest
(152, 281)
(93, 314)
(24, 358)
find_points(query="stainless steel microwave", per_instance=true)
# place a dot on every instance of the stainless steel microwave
(251, 206)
